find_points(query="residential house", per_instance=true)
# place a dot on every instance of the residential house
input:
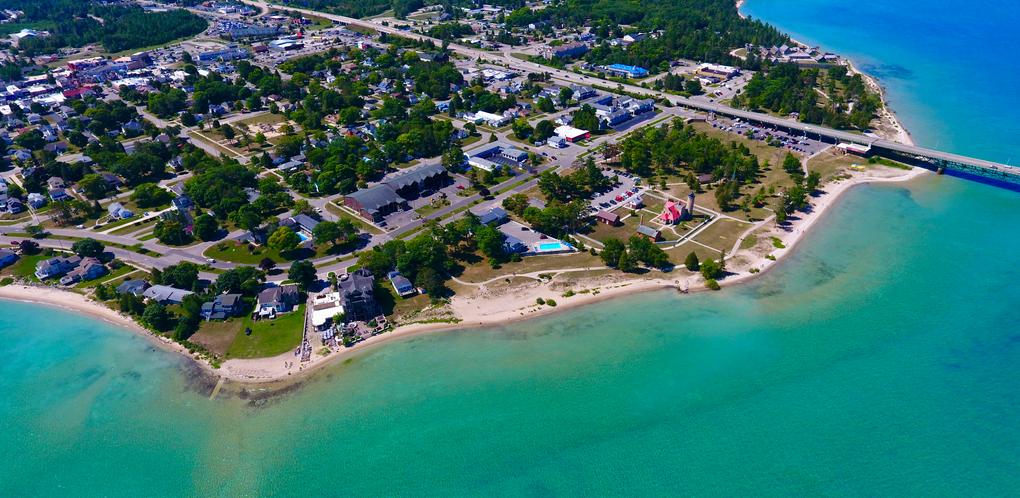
(56, 266)
(358, 292)
(401, 284)
(7, 257)
(36, 200)
(278, 299)
(117, 210)
(136, 287)
(88, 269)
(222, 307)
(164, 294)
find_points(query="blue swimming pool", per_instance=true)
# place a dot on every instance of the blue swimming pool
(553, 246)
(302, 236)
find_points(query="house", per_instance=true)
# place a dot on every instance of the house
(88, 269)
(117, 210)
(36, 200)
(279, 299)
(56, 266)
(496, 215)
(164, 294)
(136, 287)
(305, 223)
(58, 194)
(607, 218)
(357, 290)
(55, 182)
(15, 206)
(7, 257)
(401, 284)
(222, 307)
(649, 233)
(112, 180)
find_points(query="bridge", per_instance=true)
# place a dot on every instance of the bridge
(911, 154)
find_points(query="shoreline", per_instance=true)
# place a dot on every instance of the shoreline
(886, 117)
(272, 374)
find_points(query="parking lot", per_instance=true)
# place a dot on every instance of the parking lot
(791, 141)
(618, 195)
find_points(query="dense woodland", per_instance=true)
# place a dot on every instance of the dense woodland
(74, 23)
(700, 29)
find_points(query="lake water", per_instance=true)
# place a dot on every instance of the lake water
(882, 358)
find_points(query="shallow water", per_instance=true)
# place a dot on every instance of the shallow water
(880, 359)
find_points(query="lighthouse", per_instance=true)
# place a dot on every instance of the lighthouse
(690, 205)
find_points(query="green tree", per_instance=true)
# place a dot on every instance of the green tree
(148, 195)
(88, 248)
(243, 279)
(302, 272)
(611, 251)
(157, 316)
(183, 275)
(206, 227)
(93, 186)
(171, 232)
(284, 239)
(626, 263)
(691, 262)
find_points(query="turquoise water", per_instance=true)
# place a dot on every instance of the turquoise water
(881, 359)
(949, 66)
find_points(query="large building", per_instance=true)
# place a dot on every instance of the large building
(357, 290)
(497, 154)
(392, 193)
(565, 51)
(626, 71)
(228, 54)
(571, 134)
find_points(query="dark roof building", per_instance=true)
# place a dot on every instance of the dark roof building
(136, 287)
(375, 202)
(358, 292)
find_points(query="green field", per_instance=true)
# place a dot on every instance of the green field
(269, 337)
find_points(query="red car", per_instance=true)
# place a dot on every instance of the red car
(619, 198)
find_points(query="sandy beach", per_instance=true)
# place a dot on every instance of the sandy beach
(497, 304)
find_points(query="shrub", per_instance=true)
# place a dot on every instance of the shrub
(550, 302)
(540, 301)
(569, 293)
(712, 284)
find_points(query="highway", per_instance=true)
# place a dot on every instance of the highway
(935, 157)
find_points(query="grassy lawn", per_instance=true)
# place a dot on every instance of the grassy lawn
(481, 272)
(678, 254)
(135, 227)
(269, 337)
(217, 336)
(24, 267)
(722, 234)
(830, 165)
(432, 207)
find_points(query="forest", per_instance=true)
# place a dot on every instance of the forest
(73, 23)
(699, 29)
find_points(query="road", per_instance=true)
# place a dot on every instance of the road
(998, 170)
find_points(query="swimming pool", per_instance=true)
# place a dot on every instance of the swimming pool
(302, 236)
(553, 247)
